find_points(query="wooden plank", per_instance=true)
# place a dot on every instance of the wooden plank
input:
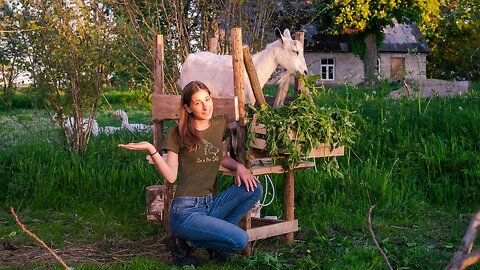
(227, 108)
(259, 222)
(167, 107)
(320, 151)
(269, 169)
(324, 151)
(252, 76)
(272, 230)
(258, 143)
(259, 129)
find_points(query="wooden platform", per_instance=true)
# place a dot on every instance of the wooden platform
(260, 228)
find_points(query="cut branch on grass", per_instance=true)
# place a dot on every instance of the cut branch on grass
(375, 239)
(464, 257)
(39, 240)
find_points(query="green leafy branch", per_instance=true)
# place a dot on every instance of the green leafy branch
(294, 130)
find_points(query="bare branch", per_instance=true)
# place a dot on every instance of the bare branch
(374, 239)
(464, 257)
(38, 240)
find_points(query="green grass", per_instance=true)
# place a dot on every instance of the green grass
(418, 160)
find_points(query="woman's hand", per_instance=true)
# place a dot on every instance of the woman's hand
(244, 175)
(139, 146)
(167, 167)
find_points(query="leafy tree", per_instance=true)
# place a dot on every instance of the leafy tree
(367, 18)
(70, 45)
(13, 46)
(455, 53)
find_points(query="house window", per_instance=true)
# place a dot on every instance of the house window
(327, 68)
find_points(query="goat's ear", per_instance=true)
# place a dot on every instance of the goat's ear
(286, 33)
(278, 34)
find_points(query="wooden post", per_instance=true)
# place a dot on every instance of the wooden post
(158, 88)
(299, 85)
(247, 224)
(289, 201)
(158, 77)
(252, 76)
(237, 61)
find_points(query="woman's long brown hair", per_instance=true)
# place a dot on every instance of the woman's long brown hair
(186, 131)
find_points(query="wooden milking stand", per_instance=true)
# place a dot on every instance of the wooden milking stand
(233, 109)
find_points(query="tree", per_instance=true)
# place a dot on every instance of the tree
(455, 53)
(187, 26)
(367, 18)
(13, 46)
(70, 46)
(138, 21)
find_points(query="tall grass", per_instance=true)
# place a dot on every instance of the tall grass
(408, 149)
(40, 173)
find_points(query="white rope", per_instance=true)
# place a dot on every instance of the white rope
(268, 182)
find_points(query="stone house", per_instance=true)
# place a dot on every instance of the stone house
(403, 54)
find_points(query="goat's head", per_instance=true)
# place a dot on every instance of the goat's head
(119, 114)
(291, 57)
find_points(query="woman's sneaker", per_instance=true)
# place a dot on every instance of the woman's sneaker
(180, 251)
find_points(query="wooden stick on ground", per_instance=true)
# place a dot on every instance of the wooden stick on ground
(463, 258)
(39, 240)
(374, 239)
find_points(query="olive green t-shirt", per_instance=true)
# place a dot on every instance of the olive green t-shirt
(198, 170)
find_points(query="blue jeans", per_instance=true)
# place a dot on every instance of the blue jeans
(211, 222)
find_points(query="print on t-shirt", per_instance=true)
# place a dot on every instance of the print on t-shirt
(211, 152)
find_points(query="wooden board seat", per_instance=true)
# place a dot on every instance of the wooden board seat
(167, 107)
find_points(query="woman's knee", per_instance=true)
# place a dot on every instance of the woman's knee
(258, 191)
(240, 242)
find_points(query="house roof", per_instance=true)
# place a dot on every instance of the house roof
(404, 38)
(398, 38)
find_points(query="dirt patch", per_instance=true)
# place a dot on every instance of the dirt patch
(105, 252)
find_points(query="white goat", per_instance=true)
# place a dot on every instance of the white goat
(132, 127)
(69, 124)
(216, 71)
(108, 130)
